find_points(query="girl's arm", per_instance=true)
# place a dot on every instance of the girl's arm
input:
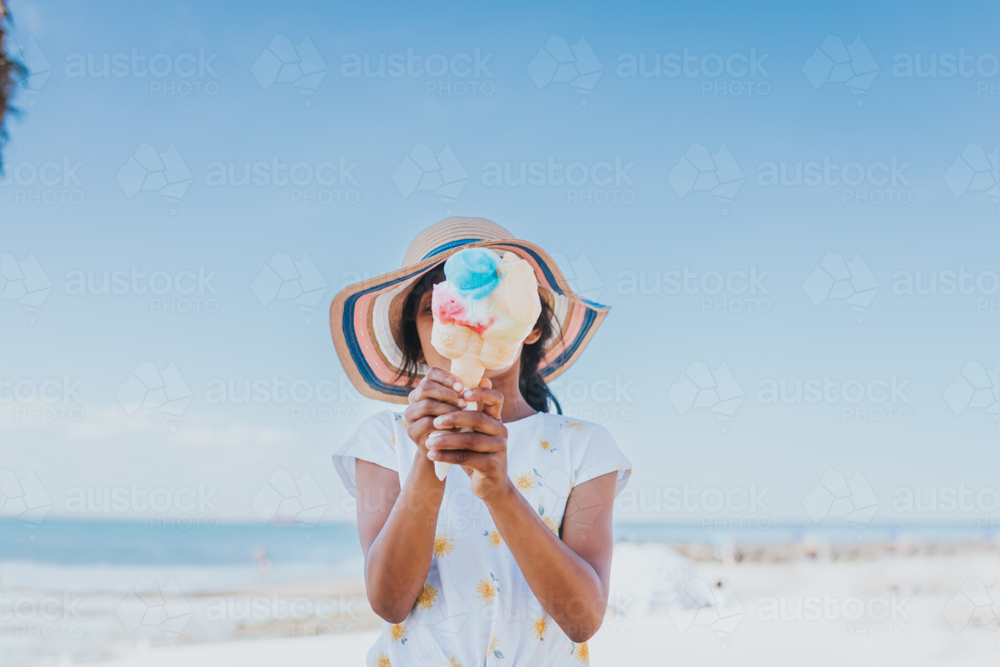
(396, 526)
(569, 576)
(397, 534)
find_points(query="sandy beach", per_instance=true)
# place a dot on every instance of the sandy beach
(867, 604)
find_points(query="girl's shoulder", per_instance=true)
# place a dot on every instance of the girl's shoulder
(572, 436)
(375, 441)
(383, 423)
(590, 448)
(568, 429)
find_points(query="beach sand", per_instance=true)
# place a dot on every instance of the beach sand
(906, 604)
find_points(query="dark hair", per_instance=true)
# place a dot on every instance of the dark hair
(10, 72)
(531, 383)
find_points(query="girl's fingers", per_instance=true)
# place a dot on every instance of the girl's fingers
(427, 408)
(477, 442)
(477, 421)
(419, 429)
(428, 389)
(444, 378)
(489, 400)
(480, 461)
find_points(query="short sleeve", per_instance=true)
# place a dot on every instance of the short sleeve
(601, 457)
(373, 442)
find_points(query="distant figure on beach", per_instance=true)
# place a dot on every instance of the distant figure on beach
(260, 557)
(505, 562)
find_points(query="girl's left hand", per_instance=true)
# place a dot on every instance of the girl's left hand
(482, 453)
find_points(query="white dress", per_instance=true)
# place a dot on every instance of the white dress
(476, 608)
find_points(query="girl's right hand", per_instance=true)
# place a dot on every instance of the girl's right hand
(438, 393)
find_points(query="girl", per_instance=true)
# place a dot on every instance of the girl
(507, 561)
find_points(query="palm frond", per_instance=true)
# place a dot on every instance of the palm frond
(11, 72)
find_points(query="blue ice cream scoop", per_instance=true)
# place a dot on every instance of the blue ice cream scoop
(473, 272)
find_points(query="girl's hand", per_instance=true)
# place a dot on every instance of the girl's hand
(481, 453)
(437, 394)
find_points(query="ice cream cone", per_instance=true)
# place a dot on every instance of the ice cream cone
(470, 371)
(483, 311)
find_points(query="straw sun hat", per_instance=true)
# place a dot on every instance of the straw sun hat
(366, 318)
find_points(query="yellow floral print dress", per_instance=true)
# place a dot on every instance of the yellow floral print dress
(476, 609)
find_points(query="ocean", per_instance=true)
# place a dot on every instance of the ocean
(336, 549)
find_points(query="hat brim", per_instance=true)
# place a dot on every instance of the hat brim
(365, 316)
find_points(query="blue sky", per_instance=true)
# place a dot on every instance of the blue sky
(231, 105)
